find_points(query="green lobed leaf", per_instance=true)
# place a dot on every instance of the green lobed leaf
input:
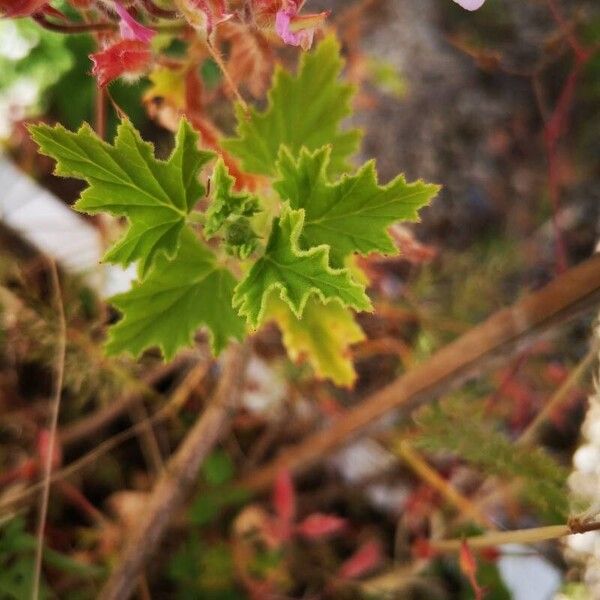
(176, 298)
(229, 212)
(352, 214)
(296, 274)
(126, 179)
(303, 110)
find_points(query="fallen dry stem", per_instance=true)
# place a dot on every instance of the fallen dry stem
(430, 476)
(178, 478)
(520, 536)
(55, 409)
(176, 401)
(496, 338)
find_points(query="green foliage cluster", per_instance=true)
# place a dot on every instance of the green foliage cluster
(217, 493)
(205, 570)
(32, 60)
(17, 555)
(460, 427)
(292, 241)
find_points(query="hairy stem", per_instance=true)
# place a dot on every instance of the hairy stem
(72, 28)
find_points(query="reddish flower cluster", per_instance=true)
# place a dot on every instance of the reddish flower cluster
(21, 8)
(122, 58)
(131, 56)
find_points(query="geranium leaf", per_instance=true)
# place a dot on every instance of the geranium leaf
(303, 110)
(352, 214)
(322, 337)
(126, 179)
(296, 274)
(176, 298)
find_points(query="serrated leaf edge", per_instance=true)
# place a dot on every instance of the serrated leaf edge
(323, 250)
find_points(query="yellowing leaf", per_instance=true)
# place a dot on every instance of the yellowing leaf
(168, 85)
(322, 336)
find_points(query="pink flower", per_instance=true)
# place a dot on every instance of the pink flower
(470, 4)
(130, 28)
(294, 29)
(204, 15)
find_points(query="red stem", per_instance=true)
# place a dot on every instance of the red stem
(157, 11)
(71, 28)
(576, 45)
(555, 128)
(557, 125)
(100, 122)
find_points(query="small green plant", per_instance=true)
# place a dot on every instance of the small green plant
(17, 551)
(460, 426)
(283, 251)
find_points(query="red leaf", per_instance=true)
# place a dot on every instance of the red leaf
(422, 549)
(319, 525)
(364, 560)
(468, 566)
(43, 447)
(20, 8)
(27, 470)
(490, 554)
(127, 57)
(284, 498)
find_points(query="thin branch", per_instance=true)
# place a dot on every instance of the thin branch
(157, 11)
(529, 436)
(216, 56)
(91, 424)
(414, 460)
(72, 28)
(55, 409)
(178, 479)
(568, 295)
(147, 438)
(100, 115)
(566, 28)
(176, 401)
(519, 536)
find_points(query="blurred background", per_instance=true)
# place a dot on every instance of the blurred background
(499, 107)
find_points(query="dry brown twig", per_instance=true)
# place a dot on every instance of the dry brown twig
(91, 424)
(496, 338)
(179, 477)
(529, 436)
(518, 536)
(168, 410)
(48, 459)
